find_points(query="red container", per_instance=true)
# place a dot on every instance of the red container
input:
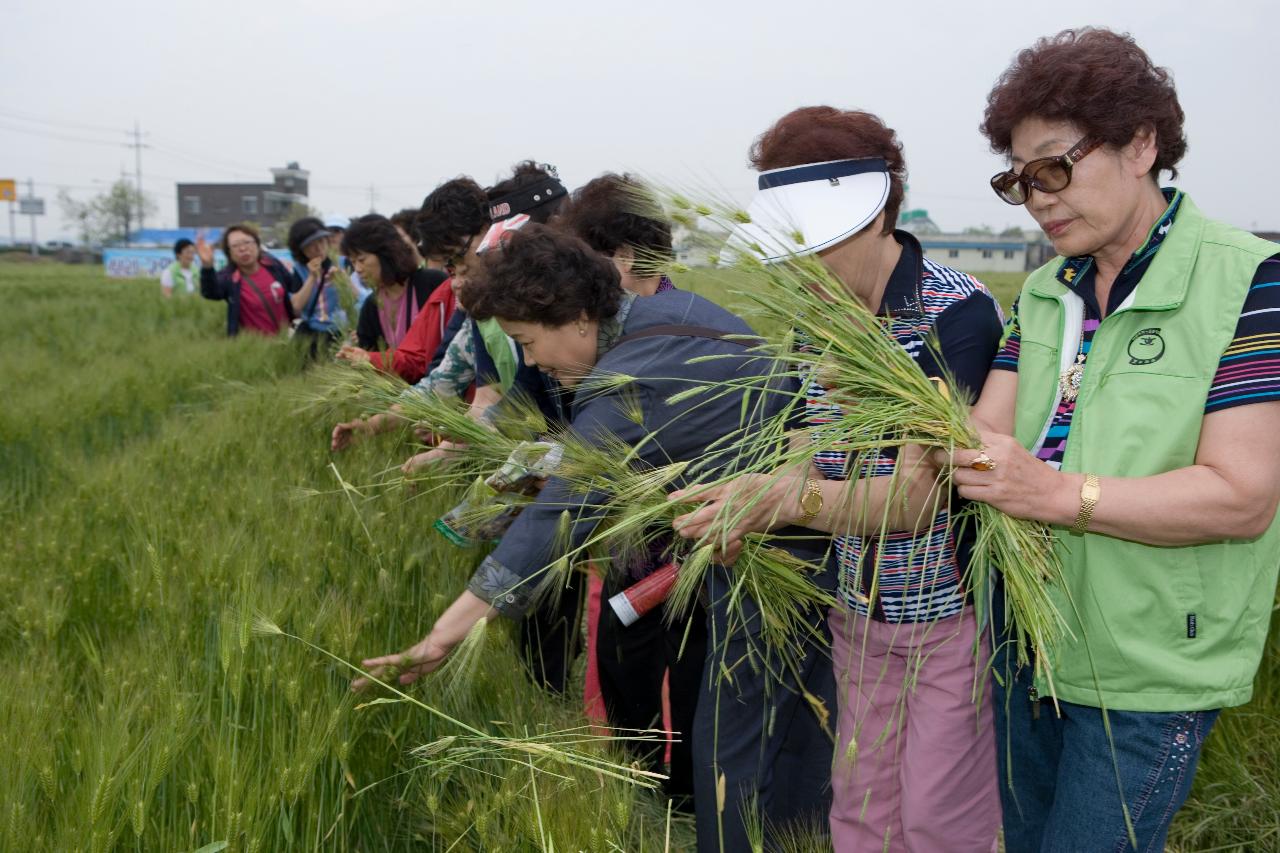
(644, 595)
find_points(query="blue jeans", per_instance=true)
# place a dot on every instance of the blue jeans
(1058, 774)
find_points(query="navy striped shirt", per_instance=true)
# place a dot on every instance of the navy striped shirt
(917, 573)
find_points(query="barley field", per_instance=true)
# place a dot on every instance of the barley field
(169, 505)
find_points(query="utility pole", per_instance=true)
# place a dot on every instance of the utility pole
(31, 194)
(373, 194)
(137, 145)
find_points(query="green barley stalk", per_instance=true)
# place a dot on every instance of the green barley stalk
(824, 331)
(569, 748)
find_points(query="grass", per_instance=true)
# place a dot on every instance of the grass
(151, 474)
(151, 479)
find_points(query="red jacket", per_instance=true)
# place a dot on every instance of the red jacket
(410, 360)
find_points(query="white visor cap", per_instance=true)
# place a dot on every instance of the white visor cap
(799, 210)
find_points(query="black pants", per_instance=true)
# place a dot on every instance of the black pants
(757, 728)
(551, 637)
(633, 660)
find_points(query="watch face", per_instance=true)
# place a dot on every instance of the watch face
(811, 502)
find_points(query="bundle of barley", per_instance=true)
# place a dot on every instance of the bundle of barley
(884, 400)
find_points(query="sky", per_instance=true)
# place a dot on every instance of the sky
(383, 99)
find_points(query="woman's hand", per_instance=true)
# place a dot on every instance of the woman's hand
(1017, 484)
(441, 453)
(750, 503)
(408, 666)
(204, 251)
(345, 433)
(416, 661)
(353, 355)
(314, 267)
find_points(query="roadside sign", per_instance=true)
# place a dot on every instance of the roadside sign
(31, 206)
(8, 189)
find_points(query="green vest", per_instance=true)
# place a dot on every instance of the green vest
(180, 281)
(1167, 629)
(499, 347)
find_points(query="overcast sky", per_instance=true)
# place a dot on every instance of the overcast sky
(401, 95)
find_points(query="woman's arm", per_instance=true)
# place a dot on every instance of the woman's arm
(1231, 492)
(994, 410)
(506, 581)
(758, 503)
(300, 297)
(428, 653)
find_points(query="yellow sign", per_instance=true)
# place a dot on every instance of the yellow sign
(8, 189)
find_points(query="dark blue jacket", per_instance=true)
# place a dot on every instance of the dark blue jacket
(681, 431)
(225, 285)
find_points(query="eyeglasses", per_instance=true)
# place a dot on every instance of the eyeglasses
(1047, 174)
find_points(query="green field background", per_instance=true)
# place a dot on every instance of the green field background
(159, 486)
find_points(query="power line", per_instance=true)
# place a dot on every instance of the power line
(48, 134)
(56, 122)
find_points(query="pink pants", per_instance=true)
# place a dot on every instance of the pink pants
(915, 766)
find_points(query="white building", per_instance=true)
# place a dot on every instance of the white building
(976, 253)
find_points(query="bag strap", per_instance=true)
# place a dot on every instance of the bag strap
(679, 330)
(265, 304)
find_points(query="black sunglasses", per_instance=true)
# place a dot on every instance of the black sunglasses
(1047, 174)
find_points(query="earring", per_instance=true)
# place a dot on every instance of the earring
(582, 331)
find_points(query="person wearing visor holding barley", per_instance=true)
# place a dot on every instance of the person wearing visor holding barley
(914, 767)
(1135, 408)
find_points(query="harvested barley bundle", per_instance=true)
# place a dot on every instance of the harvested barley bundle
(885, 401)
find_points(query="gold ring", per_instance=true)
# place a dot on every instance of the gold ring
(983, 462)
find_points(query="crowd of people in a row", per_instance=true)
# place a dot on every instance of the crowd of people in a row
(1131, 401)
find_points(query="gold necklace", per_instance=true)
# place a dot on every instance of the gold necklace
(1069, 381)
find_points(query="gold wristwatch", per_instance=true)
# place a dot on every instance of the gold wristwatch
(810, 501)
(1089, 494)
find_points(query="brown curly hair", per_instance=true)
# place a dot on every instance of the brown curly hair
(452, 214)
(609, 212)
(543, 275)
(1096, 79)
(819, 134)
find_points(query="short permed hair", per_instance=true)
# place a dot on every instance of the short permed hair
(1096, 79)
(453, 213)
(374, 234)
(820, 134)
(181, 244)
(545, 276)
(526, 173)
(609, 212)
(243, 228)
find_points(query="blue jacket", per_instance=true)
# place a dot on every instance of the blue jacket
(682, 431)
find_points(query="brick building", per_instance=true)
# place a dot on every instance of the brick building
(217, 205)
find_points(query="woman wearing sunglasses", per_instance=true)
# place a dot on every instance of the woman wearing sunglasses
(1135, 407)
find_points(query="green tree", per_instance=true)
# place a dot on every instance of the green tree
(1011, 231)
(983, 230)
(118, 208)
(108, 216)
(81, 214)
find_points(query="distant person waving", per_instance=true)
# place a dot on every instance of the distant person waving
(254, 285)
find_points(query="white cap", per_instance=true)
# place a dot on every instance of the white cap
(803, 209)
